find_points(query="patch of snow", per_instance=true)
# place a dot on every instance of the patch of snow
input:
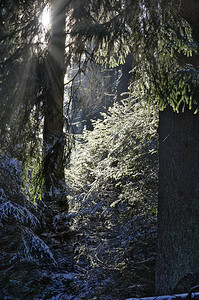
(167, 297)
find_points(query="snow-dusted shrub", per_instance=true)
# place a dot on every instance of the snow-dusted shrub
(118, 160)
(34, 247)
(13, 212)
(14, 204)
(16, 211)
(116, 167)
(10, 165)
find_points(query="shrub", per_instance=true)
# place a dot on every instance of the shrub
(114, 169)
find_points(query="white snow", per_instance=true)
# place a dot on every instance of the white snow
(166, 297)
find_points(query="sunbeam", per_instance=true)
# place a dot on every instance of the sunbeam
(45, 18)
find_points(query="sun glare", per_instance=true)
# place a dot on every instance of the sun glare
(45, 18)
(41, 39)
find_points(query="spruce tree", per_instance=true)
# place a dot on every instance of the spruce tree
(32, 89)
(178, 176)
(53, 135)
(163, 37)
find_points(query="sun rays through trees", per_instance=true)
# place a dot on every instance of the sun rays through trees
(52, 56)
(35, 67)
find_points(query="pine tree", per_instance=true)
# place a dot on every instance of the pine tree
(53, 135)
(178, 177)
(163, 37)
(32, 89)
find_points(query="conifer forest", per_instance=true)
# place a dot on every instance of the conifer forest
(99, 149)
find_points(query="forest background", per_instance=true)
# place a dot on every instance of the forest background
(79, 206)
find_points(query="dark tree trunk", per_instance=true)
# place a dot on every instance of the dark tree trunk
(178, 208)
(53, 119)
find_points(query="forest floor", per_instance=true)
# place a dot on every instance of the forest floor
(43, 256)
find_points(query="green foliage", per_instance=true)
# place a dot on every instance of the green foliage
(24, 87)
(161, 71)
(106, 31)
(20, 84)
(165, 42)
(158, 37)
(121, 152)
(153, 31)
(102, 29)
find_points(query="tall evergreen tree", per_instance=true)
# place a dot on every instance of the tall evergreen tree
(32, 86)
(53, 135)
(178, 210)
(163, 37)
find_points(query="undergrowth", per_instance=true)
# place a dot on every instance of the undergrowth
(113, 201)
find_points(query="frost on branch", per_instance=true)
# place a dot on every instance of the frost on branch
(10, 165)
(34, 248)
(19, 218)
(3, 196)
(14, 212)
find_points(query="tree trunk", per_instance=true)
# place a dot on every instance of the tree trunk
(53, 136)
(178, 208)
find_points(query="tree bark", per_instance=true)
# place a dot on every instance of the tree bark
(178, 208)
(53, 135)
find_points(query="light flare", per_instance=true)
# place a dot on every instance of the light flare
(45, 18)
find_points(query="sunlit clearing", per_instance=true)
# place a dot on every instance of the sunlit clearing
(45, 18)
